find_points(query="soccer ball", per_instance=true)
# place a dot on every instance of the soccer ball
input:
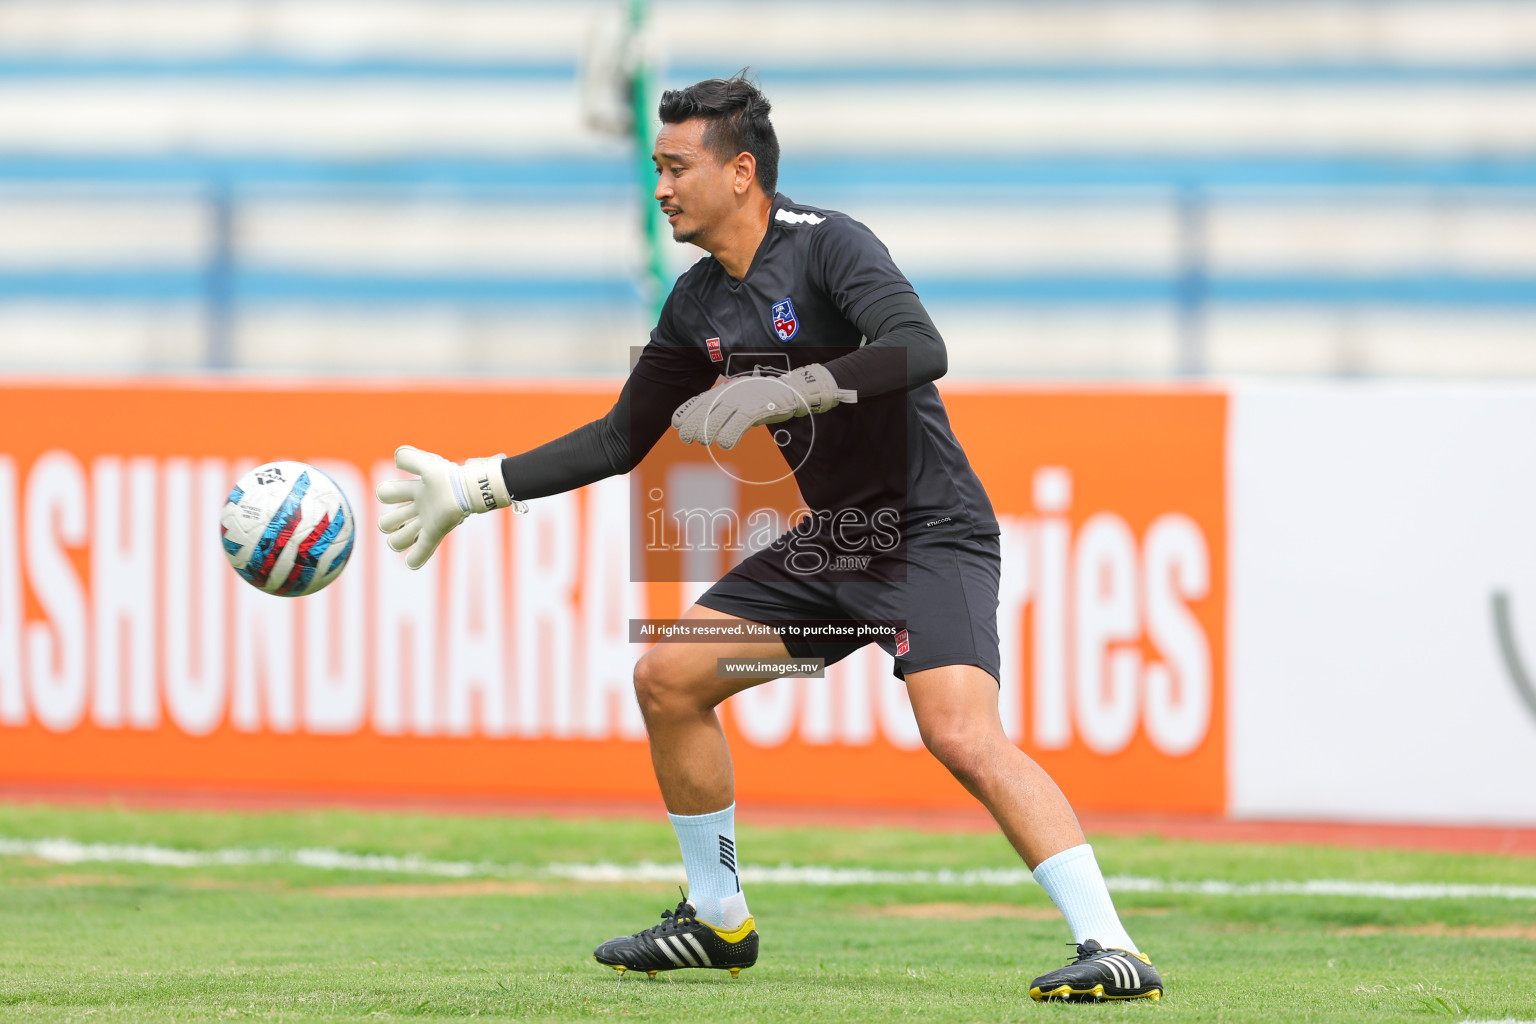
(287, 529)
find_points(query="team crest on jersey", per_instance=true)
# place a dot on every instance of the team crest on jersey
(786, 324)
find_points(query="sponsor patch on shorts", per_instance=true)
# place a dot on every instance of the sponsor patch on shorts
(902, 646)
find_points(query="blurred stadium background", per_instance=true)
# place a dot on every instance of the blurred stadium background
(1101, 189)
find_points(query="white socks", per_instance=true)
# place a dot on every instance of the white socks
(708, 842)
(1073, 882)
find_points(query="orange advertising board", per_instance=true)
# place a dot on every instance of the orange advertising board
(1117, 503)
(130, 654)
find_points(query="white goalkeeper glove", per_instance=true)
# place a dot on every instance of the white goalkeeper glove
(721, 415)
(442, 497)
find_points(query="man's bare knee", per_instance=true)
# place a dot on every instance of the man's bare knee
(665, 685)
(652, 690)
(960, 746)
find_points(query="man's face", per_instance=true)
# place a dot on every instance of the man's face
(696, 189)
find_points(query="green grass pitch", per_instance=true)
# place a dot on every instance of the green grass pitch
(115, 941)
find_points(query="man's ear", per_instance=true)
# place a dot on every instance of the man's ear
(746, 173)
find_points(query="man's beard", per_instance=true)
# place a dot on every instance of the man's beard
(683, 235)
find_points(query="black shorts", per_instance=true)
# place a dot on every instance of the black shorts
(948, 601)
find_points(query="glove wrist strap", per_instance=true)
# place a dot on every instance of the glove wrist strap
(824, 394)
(478, 485)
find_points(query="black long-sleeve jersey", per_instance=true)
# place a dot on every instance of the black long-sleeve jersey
(821, 289)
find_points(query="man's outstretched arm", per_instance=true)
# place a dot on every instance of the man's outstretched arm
(606, 447)
(445, 493)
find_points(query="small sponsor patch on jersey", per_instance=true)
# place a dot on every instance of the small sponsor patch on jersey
(902, 644)
(713, 344)
(791, 217)
(786, 324)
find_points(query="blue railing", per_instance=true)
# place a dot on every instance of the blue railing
(984, 176)
(252, 286)
(279, 65)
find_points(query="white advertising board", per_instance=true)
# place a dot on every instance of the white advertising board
(1383, 609)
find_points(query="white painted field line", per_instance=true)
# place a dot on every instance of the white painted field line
(1328, 887)
(69, 851)
(797, 874)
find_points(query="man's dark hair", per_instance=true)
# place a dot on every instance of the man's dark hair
(736, 113)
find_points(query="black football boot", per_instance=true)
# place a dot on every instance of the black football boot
(681, 940)
(1100, 973)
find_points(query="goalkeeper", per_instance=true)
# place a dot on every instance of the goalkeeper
(815, 295)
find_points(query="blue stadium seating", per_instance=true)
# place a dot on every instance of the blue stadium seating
(1095, 188)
